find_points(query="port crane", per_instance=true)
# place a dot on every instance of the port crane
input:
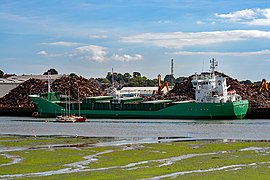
(263, 86)
(161, 86)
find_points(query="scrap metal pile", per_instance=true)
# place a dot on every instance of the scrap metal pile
(19, 96)
(251, 92)
(181, 92)
(75, 85)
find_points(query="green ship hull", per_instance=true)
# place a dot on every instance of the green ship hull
(157, 110)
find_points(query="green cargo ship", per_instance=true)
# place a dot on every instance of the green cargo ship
(212, 101)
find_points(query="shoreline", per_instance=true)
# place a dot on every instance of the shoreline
(110, 141)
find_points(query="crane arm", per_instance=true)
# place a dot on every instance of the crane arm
(264, 86)
(161, 86)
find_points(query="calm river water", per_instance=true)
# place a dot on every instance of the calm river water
(139, 128)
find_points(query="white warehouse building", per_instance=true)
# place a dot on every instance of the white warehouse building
(147, 91)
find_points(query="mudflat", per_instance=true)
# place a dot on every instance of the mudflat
(58, 157)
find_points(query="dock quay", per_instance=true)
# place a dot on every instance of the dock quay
(258, 113)
(17, 111)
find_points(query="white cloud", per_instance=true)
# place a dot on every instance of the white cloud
(91, 53)
(63, 43)
(182, 39)
(163, 22)
(126, 57)
(254, 53)
(42, 53)
(98, 36)
(238, 15)
(45, 53)
(200, 22)
(98, 54)
(259, 17)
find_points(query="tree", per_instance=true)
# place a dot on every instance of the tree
(135, 74)
(118, 77)
(73, 75)
(151, 83)
(247, 82)
(127, 76)
(103, 80)
(179, 80)
(112, 77)
(139, 81)
(1, 73)
(50, 71)
(128, 80)
(170, 79)
(109, 76)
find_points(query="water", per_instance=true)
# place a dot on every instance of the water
(139, 128)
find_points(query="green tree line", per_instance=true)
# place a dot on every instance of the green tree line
(136, 80)
(126, 79)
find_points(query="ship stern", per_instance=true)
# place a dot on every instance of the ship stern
(240, 108)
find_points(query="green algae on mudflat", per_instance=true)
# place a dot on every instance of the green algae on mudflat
(210, 156)
(44, 160)
(4, 159)
(183, 160)
(28, 141)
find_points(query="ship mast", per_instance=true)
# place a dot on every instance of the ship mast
(79, 101)
(213, 65)
(49, 86)
(172, 67)
(112, 78)
(49, 82)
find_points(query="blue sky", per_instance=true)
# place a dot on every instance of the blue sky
(90, 37)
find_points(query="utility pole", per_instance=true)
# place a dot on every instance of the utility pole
(172, 67)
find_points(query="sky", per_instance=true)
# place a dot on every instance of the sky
(90, 37)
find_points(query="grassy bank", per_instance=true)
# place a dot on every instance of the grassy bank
(72, 158)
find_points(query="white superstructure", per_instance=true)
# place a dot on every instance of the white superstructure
(210, 88)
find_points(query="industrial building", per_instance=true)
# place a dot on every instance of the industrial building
(146, 91)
